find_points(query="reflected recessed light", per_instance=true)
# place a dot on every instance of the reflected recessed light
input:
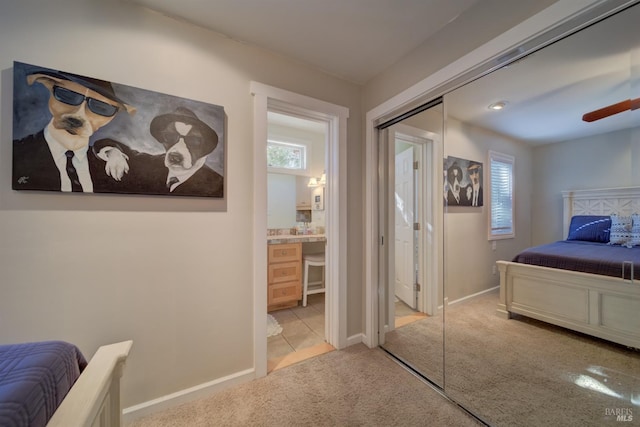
(498, 105)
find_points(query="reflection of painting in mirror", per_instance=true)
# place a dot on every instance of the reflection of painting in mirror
(463, 182)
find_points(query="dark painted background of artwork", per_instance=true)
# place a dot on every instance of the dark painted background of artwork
(31, 114)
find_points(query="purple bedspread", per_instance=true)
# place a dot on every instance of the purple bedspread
(587, 257)
(34, 379)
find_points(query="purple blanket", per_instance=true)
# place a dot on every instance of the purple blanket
(587, 257)
(34, 379)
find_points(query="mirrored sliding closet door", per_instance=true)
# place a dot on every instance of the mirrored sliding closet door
(526, 370)
(493, 167)
(411, 321)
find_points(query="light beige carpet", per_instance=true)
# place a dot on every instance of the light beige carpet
(357, 386)
(522, 372)
(517, 372)
(420, 344)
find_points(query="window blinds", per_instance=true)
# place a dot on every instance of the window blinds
(501, 196)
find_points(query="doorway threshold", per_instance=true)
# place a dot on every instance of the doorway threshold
(298, 356)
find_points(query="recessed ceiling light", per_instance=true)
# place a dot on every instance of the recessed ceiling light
(498, 105)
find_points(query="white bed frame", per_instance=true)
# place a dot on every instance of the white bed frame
(601, 306)
(94, 400)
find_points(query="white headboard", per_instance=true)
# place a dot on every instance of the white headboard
(602, 201)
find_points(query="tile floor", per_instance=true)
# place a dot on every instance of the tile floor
(302, 334)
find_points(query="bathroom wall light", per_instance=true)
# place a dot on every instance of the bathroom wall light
(497, 106)
(315, 182)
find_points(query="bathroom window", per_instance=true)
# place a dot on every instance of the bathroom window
(287, 157)
(501, 183)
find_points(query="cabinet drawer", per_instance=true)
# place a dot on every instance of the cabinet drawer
(285, 272)
(285, 252)
(284, 292)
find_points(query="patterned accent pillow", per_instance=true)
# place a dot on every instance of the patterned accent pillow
(590, 228)
(635, 230)
(620, 230)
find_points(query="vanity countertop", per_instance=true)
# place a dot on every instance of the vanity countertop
(295, 238)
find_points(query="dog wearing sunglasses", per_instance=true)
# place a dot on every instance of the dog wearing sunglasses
(182, 169)
(79, 106)
(473, 190)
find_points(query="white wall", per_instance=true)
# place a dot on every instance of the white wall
(469, 257)
(602, 161)
(173, 275)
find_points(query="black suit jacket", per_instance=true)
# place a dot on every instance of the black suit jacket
(35, 169)
(148, 175)
(205, 182)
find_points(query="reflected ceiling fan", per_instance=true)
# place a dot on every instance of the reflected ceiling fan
(610, 110)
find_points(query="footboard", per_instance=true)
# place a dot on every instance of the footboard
(94, 399)
(601, 306)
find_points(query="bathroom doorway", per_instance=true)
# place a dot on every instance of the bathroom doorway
(296, 221)
(270, 99)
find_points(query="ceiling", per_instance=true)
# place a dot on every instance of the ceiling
(547, 93)
(351, 39)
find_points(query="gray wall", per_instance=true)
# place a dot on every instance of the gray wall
(541, 174)
(193, 313)
(173, 275)
(469, 255)
(602, 161)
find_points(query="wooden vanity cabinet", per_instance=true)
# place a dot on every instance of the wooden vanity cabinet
(284, 275)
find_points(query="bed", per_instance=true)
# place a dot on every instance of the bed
(603, 303)
(50, 383)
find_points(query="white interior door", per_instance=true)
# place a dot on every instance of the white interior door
(405, 262)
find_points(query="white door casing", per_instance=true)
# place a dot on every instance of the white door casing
(269, 98)
(426, 213)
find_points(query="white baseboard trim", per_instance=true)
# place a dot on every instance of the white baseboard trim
(355, 339)
(187, 395)
(473, 295)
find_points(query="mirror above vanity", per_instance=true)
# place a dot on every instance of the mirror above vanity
(293, 205)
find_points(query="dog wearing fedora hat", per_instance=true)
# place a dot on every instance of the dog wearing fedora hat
(453, 194)
(58, 157)
(181, 170)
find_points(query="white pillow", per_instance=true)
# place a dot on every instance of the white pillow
(635, 230)
(620, 230)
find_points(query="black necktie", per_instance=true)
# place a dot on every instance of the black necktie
(72, 173)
